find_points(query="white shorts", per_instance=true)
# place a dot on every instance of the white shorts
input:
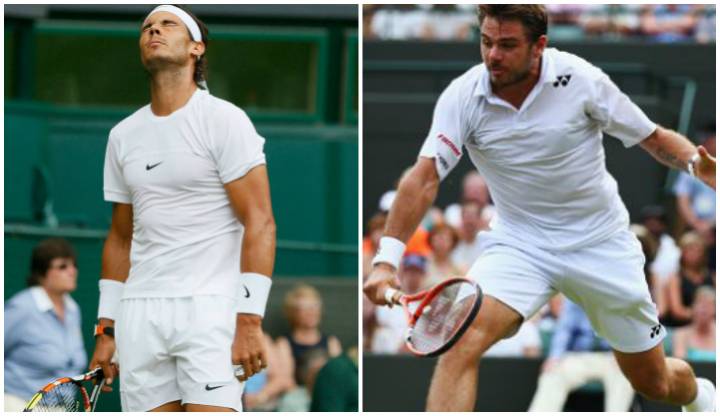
(173, 349)
(607, 280)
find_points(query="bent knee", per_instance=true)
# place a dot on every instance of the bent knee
(472, 345)
(654, 389)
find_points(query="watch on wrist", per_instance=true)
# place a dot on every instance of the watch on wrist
(692, 164)
(104, 330)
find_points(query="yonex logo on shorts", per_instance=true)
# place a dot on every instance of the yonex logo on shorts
(655, 331)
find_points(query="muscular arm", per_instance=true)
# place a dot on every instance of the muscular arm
(250, 199)
(415, 195)
(416, 192)
(115, 266)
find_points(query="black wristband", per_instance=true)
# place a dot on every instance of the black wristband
(104, 330)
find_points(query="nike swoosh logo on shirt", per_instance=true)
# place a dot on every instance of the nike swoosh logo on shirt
(208, 388)
(148, 167)
(247, 292)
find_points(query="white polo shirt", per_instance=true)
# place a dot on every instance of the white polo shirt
(544, 163)
(186, 237)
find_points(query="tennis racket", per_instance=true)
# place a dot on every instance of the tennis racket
(439, 316)
(68, 394)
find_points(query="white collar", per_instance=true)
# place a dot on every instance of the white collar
(43, 302)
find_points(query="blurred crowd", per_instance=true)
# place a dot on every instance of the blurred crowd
(651, 22)
(678, 243)
(307, 369)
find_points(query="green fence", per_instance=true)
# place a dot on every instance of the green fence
(277, 74)
(350, 93)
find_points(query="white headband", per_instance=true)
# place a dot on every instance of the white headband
(182, 15)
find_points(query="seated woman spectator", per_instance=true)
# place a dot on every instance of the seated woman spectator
(683, 286)
(43, 339)
(303, 308)
(696, 342)
(442, 239)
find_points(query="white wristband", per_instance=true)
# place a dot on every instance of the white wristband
(110, 294)
(390, 251)
(253, 293)
(691, 164)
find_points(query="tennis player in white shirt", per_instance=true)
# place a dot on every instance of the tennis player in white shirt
(532, 119)
(187, 178)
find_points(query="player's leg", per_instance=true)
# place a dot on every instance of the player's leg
(608, 281)
(454, 381)
(664, 379)
(515, 286)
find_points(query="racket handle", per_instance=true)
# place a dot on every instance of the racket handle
(390, 296)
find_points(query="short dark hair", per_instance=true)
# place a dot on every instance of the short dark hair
(201, 72)
(533, 17)
(44, 253)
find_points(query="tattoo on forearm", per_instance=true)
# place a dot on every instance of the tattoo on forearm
(670, 159)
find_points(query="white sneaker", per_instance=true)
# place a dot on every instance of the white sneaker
(705, 400)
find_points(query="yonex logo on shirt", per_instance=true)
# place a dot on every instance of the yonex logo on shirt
(562, 80)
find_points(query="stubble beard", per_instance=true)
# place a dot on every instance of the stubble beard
(514, 77)
(163, 63)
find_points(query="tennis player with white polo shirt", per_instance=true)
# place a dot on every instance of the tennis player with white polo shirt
(532, 119)
(187, 178)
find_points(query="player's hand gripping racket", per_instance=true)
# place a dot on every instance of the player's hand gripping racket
(442, 315)
(68, 394)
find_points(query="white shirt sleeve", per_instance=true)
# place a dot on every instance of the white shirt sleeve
(445, 141)
(114, 186)
(237, 147)
(617, 114)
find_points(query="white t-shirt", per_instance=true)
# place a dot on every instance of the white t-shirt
(544, 163)
(186, 237)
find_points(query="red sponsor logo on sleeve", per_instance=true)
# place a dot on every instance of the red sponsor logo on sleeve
(450, 144)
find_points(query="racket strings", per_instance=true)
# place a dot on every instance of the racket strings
(442, 318)
(65, 397)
